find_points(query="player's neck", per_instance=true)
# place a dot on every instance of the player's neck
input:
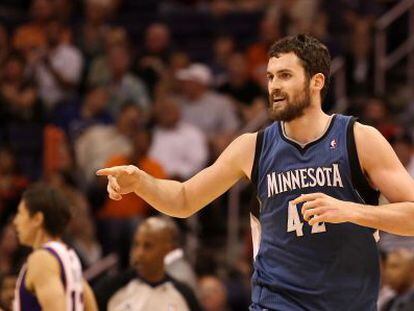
(308, 127)
(41, 238)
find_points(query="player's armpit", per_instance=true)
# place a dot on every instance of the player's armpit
(43, 278)
(89, 298)
(382, 165)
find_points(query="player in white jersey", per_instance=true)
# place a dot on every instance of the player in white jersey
(52, 278)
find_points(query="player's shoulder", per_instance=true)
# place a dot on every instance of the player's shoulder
(42, 258)
(367, 135)
(245, 143)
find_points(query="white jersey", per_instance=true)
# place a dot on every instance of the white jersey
(71, 276)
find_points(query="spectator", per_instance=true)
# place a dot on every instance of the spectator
(4, 44)
(399, 274)
(360, 60)
(242, 89)
(92, 31)
(376, 113)
(11, 254)
(223, 49)
(7, 286)
(181, 148)
(385, 292)
(176, 263)
(33, 35)
(91, 153)
(19, 101)
(269, 31)
(154, 57)
(404, 148)
(12, 184)
(213, 294)
(147, 286)
(206, 109)
(57, 69)
(122, 85)
(75, 117)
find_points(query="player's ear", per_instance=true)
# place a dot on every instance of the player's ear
(38, 219)
(318, 81)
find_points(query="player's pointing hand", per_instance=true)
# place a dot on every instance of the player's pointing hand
(121, 180)
(319, 207)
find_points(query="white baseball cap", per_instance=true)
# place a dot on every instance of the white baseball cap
(195, 72)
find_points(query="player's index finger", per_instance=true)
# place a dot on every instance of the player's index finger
(305, 197)
(106, 171)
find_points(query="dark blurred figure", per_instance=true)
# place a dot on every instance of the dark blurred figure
(223, 49)
(360, 59)
(243, 90)
(403, 145)
(146, 286)
(12, 184)
(7, 286)
(19, 101)
(213, 294)
(12, 255)
(399, 275)
(91, 32)
(269, 32)
(375, 112)
(75, 117)
(153, 58)
(4, 44)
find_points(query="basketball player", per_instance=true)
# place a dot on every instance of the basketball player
(51, 279)
(317, 178)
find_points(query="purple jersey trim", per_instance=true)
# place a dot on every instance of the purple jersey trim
(28, 301)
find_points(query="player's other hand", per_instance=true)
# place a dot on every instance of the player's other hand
(121, 180)
(319, 207)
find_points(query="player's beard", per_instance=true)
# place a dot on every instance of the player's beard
(291, 108)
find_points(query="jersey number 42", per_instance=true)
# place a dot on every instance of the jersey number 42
(294, 223)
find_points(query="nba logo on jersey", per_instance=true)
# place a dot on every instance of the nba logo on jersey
(333, 144)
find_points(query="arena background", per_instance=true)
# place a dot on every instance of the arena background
(90, 83)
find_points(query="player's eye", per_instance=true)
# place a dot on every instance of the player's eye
(285, 75)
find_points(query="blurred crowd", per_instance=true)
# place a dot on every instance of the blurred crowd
(166, 85)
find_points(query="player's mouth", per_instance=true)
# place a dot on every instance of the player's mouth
(279, 100)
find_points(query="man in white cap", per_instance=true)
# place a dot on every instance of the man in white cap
(204, 108)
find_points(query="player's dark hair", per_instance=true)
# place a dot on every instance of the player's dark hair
(313, 54)
(52, 204)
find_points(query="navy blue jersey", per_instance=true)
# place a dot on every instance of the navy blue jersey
(302, 267)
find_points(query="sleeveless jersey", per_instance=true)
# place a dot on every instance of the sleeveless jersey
(301, 267)
(71, 276)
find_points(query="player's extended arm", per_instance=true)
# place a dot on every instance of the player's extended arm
(43, 278)
(89, 298)
(184, 199)
(387, 174)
